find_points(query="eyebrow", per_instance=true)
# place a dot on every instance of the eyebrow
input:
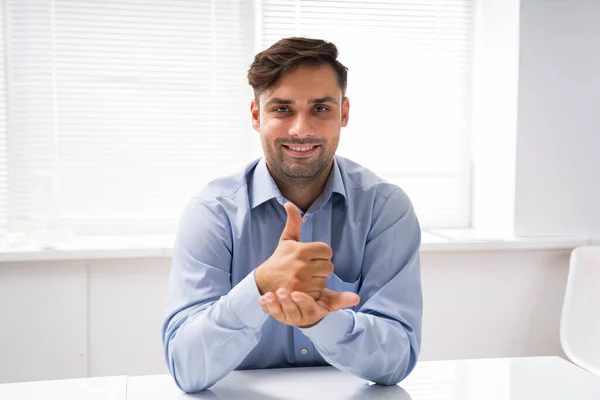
(326, 99)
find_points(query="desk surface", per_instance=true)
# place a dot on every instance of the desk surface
(547, 378)
(105, 388)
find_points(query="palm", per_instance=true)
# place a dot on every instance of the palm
(300, 309)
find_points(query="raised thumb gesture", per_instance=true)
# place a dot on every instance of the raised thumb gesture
(293, 225)
(295, 266)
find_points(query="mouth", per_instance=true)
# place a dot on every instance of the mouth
(301, 151)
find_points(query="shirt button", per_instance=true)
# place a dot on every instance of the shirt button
(303, 351)
(303, 219)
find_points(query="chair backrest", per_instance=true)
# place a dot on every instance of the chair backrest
(580, 319)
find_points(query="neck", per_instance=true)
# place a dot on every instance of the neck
(302, 192)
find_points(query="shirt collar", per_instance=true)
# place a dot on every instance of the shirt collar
(264, 188)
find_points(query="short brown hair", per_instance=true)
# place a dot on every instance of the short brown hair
(270, 65)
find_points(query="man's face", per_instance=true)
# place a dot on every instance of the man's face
(300, 120)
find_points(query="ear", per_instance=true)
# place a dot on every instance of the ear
(345, 111)
(255, 112)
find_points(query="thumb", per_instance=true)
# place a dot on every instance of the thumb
(293, 224)
(334, 301)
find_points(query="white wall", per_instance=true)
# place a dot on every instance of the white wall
(492, 304)
(79, 318)
(76, 319)
(558, 141)
(43, 321)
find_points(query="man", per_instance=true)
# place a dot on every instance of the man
(304, 258)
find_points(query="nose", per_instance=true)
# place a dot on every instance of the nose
(301, 126)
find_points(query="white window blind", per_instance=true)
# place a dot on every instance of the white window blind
(116, 111)
(408, 84)
(120, 110)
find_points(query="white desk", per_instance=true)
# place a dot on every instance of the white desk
(543, 378)
(106, 388)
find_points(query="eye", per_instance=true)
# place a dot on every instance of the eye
(281, 109)
(321, 109)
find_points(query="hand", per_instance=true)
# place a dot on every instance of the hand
(295, 266)
(300, 309)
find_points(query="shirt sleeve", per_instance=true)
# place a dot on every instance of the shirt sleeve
(381, 341)
(210, 327)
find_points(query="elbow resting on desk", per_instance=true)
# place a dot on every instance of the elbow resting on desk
(186, 355)
(173, 338)
(179, 368)
(194, 352)
(372, 347)
(404, 366)
(403, 370)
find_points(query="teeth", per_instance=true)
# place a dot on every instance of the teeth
(302, 148)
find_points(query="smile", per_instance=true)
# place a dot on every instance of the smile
(301, 151)
(301, 148)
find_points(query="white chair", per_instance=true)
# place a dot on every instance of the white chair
(580, 319)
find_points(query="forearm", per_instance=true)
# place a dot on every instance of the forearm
(371, 347)
(381, 341)
(205, 343)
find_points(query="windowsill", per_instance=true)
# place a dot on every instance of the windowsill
(94, 248)
(442, 240)
(160, 246)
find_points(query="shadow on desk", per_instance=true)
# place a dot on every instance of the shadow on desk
(371, 392)
(376, 392)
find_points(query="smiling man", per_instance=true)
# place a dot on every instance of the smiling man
(304, 258)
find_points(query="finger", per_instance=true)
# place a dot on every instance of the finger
(318, 288)
(321, 268)
(334, 301)
(316, 283)
(309, 309)
(314, 287)
(272, 306)
(315, 251)
(293, 224)
(263, 305)
(290, 309)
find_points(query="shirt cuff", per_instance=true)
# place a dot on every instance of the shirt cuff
(331, 329)
(243, 299)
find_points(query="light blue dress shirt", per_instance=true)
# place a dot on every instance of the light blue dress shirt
(214, 322)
